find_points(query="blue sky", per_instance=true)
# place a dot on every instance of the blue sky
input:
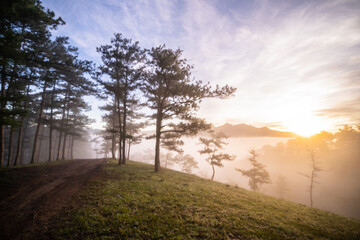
(296, 64)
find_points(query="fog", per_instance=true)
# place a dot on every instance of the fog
(337, 187)
(337, 184)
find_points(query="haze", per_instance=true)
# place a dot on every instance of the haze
(295, 63)
(261, 96)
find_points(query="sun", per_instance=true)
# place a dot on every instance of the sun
(308, 125)
(305, 131)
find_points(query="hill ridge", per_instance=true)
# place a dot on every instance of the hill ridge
(134, 202)
(245, 130)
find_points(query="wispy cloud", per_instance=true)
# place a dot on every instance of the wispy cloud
(348, 110)
(288, 59)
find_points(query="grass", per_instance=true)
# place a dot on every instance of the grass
(133, 202)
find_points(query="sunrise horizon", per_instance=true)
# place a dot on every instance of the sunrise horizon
(294, 64)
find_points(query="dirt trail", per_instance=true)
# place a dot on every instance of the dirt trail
(27, 205)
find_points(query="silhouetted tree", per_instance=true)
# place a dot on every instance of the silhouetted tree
(257, 174)
(173, 94)
(122, 63)
(24, 26)
(187, 162)
(111, 123)
(55, 58)
(314, 170)
(212, 148)
(135, 125)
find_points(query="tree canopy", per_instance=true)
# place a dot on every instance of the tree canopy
(174, 96)
(212, 148)
(257, 174)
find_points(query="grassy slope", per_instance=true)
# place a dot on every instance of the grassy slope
(134, 202)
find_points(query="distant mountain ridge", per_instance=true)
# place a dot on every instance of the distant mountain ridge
(244, 130)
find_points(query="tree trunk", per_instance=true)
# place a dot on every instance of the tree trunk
(51, 121)
(50, 138)
(72, 148)
(41, 143)
(65, 133)
(253, 176)
(113, 140)
(120, 129)
(9, 163)
(38, 123)
(213, 175)
(128, 153)
(3, 94)
(124, 132)
(62, 122)
(54, 148)
(157, 140)
(120, 150)
(18, 148)
(3, 102)
(64, 146)
(22, 151)
(59, 145)
(20, 137)
(2, 127)
(113, 145)
(2, 145)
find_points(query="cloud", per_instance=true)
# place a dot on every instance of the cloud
(285, 57)
(303, 55)
(349, 110)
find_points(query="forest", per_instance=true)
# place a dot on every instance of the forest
(43, 85)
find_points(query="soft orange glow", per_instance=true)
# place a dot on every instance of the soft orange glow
(307, 125)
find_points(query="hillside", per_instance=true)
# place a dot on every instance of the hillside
(133, 202)
(244, 130)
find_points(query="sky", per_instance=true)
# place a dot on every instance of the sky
(295, 64)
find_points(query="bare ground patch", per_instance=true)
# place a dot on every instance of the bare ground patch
(27, 203)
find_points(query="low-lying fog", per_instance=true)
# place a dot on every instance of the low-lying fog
(337, 187)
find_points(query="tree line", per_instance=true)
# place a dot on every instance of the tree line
(43, 84)
(325, 161)
(159, 79)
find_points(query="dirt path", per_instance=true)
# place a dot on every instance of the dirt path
(39, 193)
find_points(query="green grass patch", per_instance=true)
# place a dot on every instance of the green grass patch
(133, 202)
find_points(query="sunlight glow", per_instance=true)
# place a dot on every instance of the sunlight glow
(306, 127)
(303, 121)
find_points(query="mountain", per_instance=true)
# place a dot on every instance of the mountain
(244, 130)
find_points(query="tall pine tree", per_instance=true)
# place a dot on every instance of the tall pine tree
(174, 97)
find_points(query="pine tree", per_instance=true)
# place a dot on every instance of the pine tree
(212, 147)
(23, 25)
(122, 62)
(187, 162)
(257, 174)
(111, 122)
(172, 94)
(314, 172)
